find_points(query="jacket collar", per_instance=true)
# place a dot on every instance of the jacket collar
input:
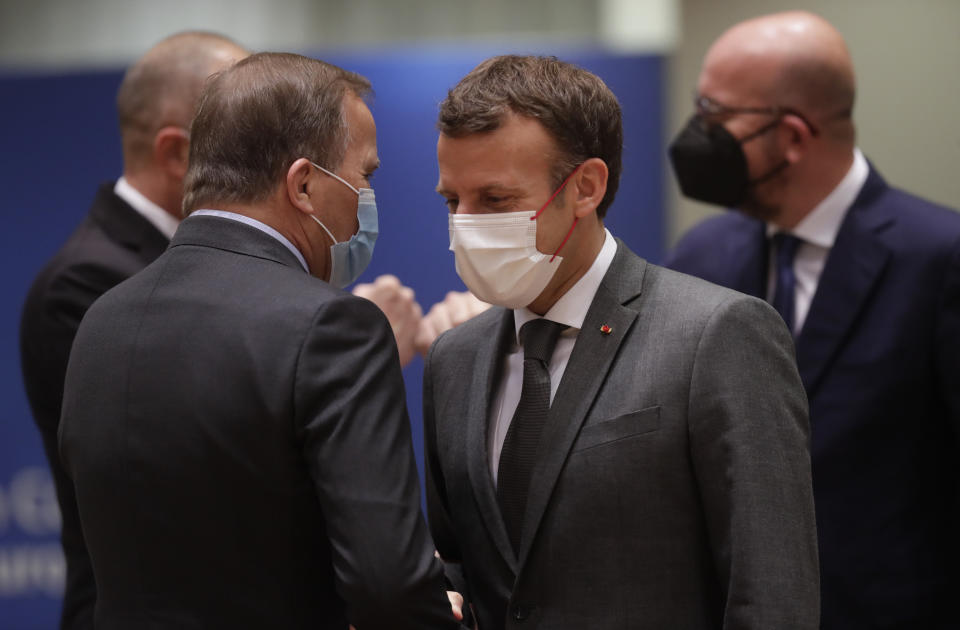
(233, 236)
(124, 225)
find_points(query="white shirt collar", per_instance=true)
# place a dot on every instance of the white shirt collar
(571, 309)
(159, 218)
(263, 227)
(820, 227)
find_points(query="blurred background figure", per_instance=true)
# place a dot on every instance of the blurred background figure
(129, 224)
(868, 279)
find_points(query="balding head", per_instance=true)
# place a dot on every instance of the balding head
(795, 59)
(163, 87)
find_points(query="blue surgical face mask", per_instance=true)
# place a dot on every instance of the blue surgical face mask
(348, 259)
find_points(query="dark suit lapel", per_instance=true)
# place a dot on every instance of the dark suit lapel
(855, 263)
(586, 371)
(490, 357)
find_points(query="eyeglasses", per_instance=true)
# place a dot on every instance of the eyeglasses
(707, 107)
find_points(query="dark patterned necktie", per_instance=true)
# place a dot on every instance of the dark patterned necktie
(539, 337)
(785, 290)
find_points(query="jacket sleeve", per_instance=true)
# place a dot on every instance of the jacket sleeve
(437, 501)
(749, 436)
(352, 422)
(948, 341)
(438, 508)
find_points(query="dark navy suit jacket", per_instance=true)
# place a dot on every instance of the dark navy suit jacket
(879, 355)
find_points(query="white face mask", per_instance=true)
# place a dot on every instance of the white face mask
(497, 257)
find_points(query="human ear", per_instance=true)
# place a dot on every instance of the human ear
(797, 135)
(171, 150)
(298, 184)
(589, 186)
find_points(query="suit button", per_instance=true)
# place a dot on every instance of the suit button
(520, 613)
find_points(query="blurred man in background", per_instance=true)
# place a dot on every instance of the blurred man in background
(234, 423)
(129, 224)
(867, 277)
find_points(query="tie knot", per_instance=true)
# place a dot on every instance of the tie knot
(539, 337)
(786, 245)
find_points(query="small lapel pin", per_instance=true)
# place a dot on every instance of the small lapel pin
(606, 329)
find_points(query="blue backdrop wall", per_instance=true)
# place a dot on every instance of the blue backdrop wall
(60, 140)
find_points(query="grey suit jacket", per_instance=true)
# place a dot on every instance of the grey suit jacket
(237, 434)
(672, 487)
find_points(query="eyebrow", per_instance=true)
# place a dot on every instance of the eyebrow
(498, 187)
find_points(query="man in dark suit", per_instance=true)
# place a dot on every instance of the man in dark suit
(868, 278)
(615, 445)
(128, 226)
(233, 422)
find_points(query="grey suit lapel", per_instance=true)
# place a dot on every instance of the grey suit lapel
(490, 368)
(586, 371)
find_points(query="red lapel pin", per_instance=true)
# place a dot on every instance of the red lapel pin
(606, 329)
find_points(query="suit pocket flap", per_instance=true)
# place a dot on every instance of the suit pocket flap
(627, 425)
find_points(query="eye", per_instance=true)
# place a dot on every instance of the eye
(498, 201)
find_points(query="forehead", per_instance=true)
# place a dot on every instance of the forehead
(361, 129)
(737, 75)
(519, 150)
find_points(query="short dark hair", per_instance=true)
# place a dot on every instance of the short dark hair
(576, 108)
(259, 116)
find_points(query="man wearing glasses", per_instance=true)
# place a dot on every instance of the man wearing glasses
(867, 278)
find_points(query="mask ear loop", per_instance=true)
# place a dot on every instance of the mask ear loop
(329, 233)
(550, 200)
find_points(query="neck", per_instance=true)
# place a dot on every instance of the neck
(152, 186)
(813, 187)
(583, 252)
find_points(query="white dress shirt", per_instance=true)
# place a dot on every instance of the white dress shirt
(818, 231)
(157, 216)
(263, 227)
(570, 310)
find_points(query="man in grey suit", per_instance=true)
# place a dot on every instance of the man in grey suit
(129, 224)
(234, 423)
(617, 445)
